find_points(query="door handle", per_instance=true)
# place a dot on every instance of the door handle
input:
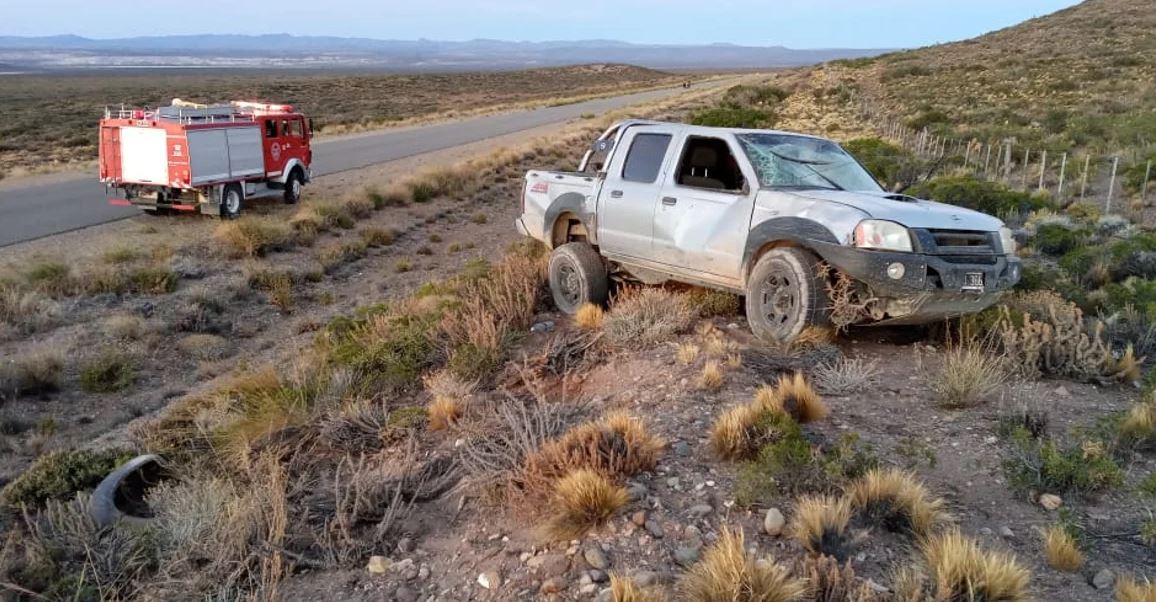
(615, 194)
(669, 201)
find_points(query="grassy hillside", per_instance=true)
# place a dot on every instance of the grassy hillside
(1081, 77)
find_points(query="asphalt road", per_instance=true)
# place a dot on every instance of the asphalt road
(76, 201)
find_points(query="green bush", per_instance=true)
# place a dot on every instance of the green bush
(793, 466)
(1057, 239)
(388, 352)
(748, 96)
(734, 117)
(108, 373)
(889, 163)
(59, 475)
(970, 192)
(1043, 465)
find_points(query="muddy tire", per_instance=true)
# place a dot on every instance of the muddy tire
(577, 277)
(293, 187)
(786, 293)
(231, 198)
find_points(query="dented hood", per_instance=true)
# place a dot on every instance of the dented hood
(909, 211)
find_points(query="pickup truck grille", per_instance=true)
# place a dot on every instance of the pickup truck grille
(958, 246)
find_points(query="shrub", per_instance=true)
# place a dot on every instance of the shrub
(644, 317)
(622, 589)
(980, 195)
(727, 573)
(890, 163)
(960, 570)
(1043, 465)
(32, 373)
(742, 431)
(616, 446)
(1057, 239)
(26, 311)
(1128, 589)
(584, 499)
(49, 276)
(969, 375)
(59, 475)
(253, 236)
(712, 378)
(378, 237)
(1061, 550)
(335, 215)
(108, 373)
(844, 376)
(792, 466)
(820, 524)
(122, 254)
(709, 303)
(795, 396)
(734, 117)
(590, 316)
(895, 501)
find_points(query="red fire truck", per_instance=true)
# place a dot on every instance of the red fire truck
(207, 158)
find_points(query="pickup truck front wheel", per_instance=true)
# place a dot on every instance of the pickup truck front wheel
(786, 294)
(577, 277)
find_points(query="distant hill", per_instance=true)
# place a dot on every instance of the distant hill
(1081, 77)
(283, 50)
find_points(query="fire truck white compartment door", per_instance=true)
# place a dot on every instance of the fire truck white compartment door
(144, 155)
(246, 157)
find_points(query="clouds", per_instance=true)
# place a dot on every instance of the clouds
(794, 23)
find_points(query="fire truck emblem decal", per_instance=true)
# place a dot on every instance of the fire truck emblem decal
(275, 150)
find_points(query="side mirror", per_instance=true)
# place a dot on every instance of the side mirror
(310, 127)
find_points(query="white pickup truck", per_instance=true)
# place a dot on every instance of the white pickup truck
(770, 215)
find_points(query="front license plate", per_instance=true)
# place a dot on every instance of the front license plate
(973, 282)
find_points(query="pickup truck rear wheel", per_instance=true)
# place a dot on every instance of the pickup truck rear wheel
(786, 293)
(577, 277)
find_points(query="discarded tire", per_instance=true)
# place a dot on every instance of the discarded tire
(121, 495)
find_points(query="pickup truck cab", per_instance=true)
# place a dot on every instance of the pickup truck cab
(774, 216)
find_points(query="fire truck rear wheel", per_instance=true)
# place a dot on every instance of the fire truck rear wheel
(293, 187)
(231, 201)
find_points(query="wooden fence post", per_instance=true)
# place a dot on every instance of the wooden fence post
(1027, 159)
(1084, 184)
(1144, 190)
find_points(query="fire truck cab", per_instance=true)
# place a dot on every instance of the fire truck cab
(207, 158)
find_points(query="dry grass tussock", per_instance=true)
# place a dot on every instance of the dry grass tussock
(795, 396)
(254, 236)
(970, 374)
(820, 524)
(896, 501)
(444, 413)
(1061, 549)
(641, 317)
(1139, 424)
(1128, 589)
(712, 378)
(961, 570)
(622, 589)
(582, 500)
(34, 372)
(25, 311)
(615, 445)
(590, 316)
(828, 581)
(727, 573)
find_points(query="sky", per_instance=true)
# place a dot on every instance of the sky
(792, 23)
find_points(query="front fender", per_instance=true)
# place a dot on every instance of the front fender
(289, 165)
(798, 230)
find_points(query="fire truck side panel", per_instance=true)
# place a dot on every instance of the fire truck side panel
(221, 154)
(144, 155)
(109, 152)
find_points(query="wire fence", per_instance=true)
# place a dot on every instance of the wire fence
(1116, 181)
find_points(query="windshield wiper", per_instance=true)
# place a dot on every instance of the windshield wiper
(800, 187)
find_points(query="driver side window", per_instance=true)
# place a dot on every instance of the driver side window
(709, 164)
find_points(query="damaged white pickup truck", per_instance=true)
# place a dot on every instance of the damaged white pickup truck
(773, 216)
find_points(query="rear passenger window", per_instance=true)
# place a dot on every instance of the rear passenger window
(645, 158)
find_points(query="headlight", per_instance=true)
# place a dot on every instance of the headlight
(1008, 241)
(878, 234)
